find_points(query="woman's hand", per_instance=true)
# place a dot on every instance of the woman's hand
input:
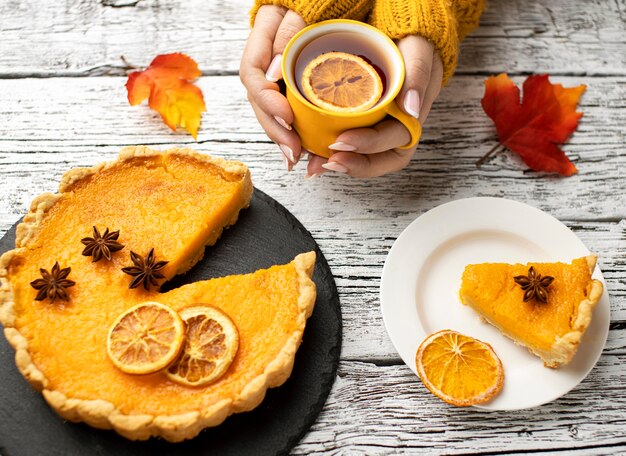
(369, 152)
(259, 71)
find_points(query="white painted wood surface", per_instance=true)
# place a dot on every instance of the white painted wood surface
(62, 104)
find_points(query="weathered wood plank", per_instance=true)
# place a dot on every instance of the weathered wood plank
(87, 38)
(385, 409)
(377, 405)
(65, 122)
(61, 123)
(355, 232)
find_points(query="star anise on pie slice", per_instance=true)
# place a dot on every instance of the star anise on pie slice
(145, 271)
(103, 245)
(534, 285)
(53, 285)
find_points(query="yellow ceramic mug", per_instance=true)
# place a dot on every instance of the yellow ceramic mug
(319, 128)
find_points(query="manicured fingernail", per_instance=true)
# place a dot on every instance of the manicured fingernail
(412, 103)
(274, 73)
(287, 163)
(287, 152)
(342, 146)
(282, 122)
(312, 176)
(334, 166)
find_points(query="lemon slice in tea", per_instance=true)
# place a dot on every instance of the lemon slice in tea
(341, 82)
(459, 369)
(211, 343)
(146, 338)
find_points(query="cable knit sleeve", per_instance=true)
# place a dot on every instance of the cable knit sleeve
(319, 10)
(443, 22)
(467, 14)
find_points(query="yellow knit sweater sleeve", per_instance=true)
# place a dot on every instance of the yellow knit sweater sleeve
(320, 10)
(444, 22)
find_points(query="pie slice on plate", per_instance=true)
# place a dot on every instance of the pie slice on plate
(551, 330)
(167, 206)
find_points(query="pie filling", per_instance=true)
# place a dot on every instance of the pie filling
(172, 204)
(491, 290)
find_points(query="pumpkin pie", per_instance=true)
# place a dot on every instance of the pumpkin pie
(510, 297)
(165, 207)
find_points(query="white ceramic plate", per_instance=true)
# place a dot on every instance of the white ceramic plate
(422, 277)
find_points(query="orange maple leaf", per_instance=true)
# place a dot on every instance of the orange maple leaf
(167, 83)
(533, 128)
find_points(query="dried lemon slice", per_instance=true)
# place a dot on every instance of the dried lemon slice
(459, 369)
(146, 338)
(211, 343)
(341, 82)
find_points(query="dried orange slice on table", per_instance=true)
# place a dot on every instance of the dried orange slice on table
(341, 82)
(459, 369)
(211, 343)
(146, 338)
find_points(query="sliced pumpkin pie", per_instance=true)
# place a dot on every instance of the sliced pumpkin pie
(93, 253)
(545, 307)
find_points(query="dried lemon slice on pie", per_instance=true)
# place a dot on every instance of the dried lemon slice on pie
(145, 338)
(459, 369)
(341, 82)
(211, 343)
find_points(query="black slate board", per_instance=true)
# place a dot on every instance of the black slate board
(265, 234)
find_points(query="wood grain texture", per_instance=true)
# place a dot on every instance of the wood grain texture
(84, 37)
(386, 409)
(63, 104)
(63, 122)
(69, 122)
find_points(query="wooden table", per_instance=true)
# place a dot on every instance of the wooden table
(63, 104)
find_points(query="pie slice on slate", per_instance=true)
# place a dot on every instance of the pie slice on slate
(167, 206)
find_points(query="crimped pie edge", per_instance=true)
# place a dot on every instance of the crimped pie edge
(564, 347)
(175, 428)
(103, 414)
(42, 203)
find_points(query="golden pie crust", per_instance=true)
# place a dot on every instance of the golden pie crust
(552, 331)
(269, 306)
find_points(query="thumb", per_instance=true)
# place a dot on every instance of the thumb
(417, 53)
(292, 23)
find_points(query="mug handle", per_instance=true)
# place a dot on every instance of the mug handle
(410, 122)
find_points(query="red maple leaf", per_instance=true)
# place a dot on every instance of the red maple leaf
(534, 127)
(167, 83)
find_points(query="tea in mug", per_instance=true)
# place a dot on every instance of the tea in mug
(371, 52)
(342, 72)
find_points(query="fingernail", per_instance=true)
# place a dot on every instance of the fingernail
(334, 166)
(282, 122)
(412, 103)
(342, 146)
(274, 73)
(312, 176)
(287, 163)
(287, 152)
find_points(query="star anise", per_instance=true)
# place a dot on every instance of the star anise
(54, 284)
(145, 271)
(534, 286)
(103, 245)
